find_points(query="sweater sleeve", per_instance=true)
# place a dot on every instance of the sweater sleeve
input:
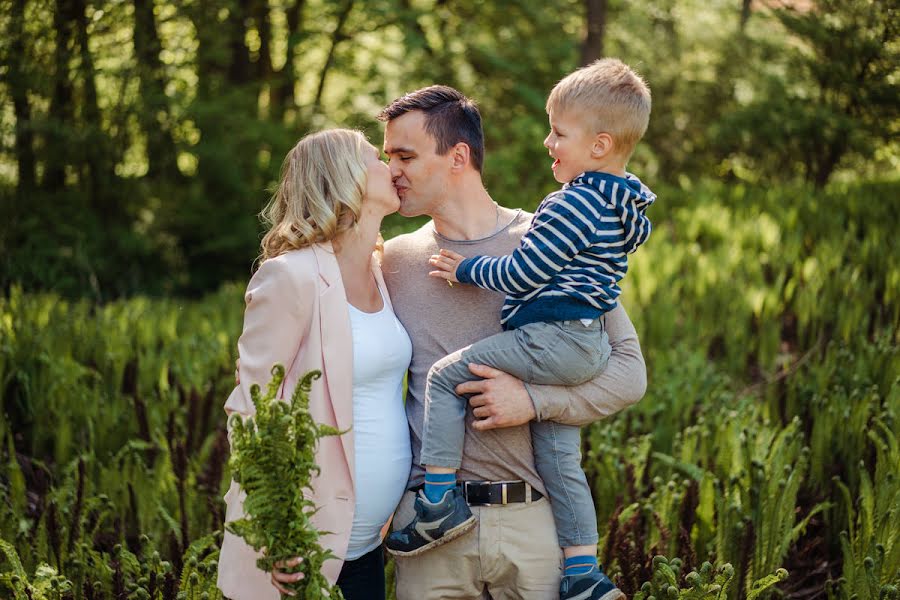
(562, 227)
(621, 384)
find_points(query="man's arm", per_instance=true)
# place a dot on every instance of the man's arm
(501, 400)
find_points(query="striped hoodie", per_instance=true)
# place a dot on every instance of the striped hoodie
(571, 259)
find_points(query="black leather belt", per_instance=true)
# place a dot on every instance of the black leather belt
(498, 493)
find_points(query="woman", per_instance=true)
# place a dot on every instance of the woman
(318, 301)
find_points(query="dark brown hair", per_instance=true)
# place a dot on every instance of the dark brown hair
(450, 118)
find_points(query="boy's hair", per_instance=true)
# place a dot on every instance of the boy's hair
(450, 118)
(612, 97)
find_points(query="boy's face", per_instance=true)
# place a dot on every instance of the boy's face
(570, 143)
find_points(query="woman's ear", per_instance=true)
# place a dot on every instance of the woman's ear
(461, 154)
(603, 146)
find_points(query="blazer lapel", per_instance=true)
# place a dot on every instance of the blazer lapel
(337, 345)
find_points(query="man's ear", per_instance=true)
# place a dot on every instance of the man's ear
(603, 146)
(461, 155)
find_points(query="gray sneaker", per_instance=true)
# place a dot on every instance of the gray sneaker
(593, 585)
(433, 525)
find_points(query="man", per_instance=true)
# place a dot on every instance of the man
(433, 138)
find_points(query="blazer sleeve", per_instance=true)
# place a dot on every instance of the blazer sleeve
(621, 384)
(277, 318)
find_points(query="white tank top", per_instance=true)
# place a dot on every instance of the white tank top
(381, 355)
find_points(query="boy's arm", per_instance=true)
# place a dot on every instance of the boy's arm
(562, 228)
(621, 384)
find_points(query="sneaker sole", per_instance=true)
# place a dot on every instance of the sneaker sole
(449, 536)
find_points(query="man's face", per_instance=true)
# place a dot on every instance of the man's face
(420, 175)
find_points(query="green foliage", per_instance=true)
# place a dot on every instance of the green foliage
(769, 320)
(871, 545)
(273, 459)
(138, 146)
(45, 585)
(708, 583)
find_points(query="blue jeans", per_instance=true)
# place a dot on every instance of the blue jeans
(553, 353)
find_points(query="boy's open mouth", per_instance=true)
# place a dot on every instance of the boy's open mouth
(555, 163)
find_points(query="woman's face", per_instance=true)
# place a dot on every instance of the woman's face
(380, 192)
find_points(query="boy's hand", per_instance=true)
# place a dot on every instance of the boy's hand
(446, 263)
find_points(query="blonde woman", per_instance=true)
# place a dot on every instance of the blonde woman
(318, 301)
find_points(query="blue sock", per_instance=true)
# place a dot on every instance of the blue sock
(437, 484)
(579, 565)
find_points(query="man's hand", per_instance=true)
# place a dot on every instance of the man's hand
(446, 264)
(500, 399)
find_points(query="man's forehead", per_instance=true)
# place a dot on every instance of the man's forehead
(407, 133)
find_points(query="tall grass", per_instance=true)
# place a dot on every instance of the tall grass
(763, 460)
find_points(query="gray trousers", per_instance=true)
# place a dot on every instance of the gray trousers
(554, 353)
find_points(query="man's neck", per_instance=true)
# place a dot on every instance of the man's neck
(468, 214)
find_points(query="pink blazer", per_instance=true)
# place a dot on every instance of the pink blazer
(296, 314)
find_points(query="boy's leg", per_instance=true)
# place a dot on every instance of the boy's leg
(567, 352)
(550, 353)
(557, 456)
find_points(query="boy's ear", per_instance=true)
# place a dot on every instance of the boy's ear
(603, 145)
(461, 155)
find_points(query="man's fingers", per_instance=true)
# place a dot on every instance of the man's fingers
(472, 387)
(482, 412)
(484, 424)
(478, 400)
(484, 371)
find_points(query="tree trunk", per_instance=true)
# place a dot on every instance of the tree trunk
(592, 46)
(746, 6)
(96, 149)
(336, 38)
(240, 69)
(19, 90)
(61, 105)
(162, 158)
(281, 91)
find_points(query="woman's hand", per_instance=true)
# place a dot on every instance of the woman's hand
(279, 576)
(446, 263)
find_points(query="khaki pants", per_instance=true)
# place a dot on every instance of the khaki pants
(511, 554)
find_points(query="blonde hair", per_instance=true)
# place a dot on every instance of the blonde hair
(320, 191)
(611, 96)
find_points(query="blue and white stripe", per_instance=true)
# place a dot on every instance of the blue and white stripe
(571, 259)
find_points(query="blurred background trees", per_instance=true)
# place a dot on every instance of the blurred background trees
(139, 137)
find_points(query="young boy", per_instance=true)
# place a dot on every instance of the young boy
(559, 282)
